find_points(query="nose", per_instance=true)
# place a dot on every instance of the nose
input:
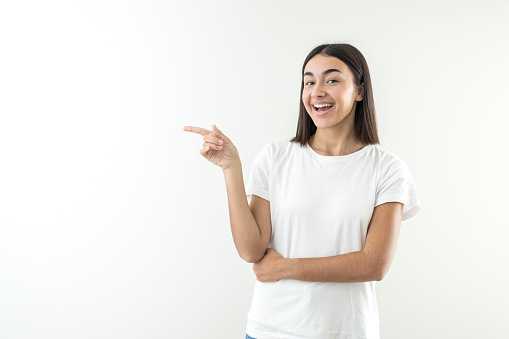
(318, 91)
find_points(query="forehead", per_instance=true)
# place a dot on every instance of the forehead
(320, 63)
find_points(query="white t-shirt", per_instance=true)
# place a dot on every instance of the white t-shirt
(321, 206)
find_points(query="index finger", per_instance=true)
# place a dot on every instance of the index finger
(197, 130)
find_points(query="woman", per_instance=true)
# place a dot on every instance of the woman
(323, 211)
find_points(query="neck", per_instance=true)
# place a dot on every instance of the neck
(334, 143)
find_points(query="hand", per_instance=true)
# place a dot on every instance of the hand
(271, 267)
(217, 147)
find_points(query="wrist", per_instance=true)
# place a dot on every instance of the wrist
(289, 268)
(234, 166)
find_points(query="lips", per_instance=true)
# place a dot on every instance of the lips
(322, 108)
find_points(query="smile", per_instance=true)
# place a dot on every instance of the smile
(322, 109)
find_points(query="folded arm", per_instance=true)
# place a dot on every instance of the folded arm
(369, 264)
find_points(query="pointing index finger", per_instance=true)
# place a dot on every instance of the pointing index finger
(197, 130)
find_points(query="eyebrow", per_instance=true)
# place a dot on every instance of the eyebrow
(325, 72)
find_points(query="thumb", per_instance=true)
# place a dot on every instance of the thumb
(217, 131)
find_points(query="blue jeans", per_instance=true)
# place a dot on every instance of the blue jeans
(248, 337)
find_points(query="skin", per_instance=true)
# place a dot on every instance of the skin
(217, 147)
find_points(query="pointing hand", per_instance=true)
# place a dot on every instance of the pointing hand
(217, 147)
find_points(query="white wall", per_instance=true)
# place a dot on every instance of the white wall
(113, 226)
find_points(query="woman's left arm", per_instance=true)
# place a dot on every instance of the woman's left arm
(369, 264)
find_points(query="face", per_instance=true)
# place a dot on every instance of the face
(330, 94)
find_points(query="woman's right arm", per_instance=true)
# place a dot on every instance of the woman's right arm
(250, 225)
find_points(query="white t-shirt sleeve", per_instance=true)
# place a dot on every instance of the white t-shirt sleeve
(258, 183)
(396, 184)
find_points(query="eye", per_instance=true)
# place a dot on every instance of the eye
(308, 83)
(332, 81)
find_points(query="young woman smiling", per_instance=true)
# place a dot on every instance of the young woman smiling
(321, 213)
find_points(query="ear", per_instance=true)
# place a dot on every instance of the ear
(360, 92)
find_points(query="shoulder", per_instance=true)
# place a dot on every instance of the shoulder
(388, 163)
(385, 157)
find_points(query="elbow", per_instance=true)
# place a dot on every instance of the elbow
(251, 257)
(379, 275)
(377, 265)
(379, 271)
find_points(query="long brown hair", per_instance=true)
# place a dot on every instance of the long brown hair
(365, 121)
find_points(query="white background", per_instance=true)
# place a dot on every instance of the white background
(112, 225)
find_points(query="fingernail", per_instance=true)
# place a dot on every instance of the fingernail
(220, 142)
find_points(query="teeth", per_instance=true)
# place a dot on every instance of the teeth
(324, 105)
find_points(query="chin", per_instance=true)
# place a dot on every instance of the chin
(321, 123)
